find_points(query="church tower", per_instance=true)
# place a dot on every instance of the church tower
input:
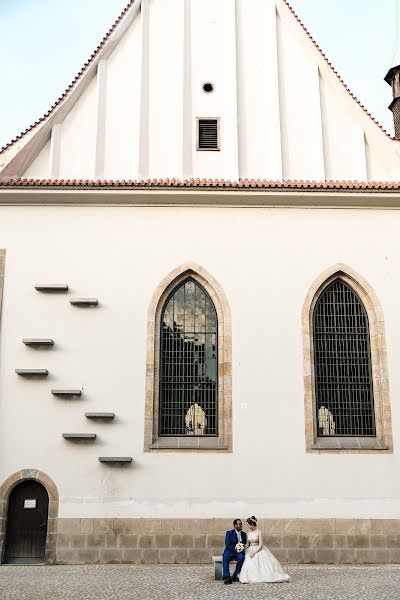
(393, 79)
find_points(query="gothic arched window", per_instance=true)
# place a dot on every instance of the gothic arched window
(342, 364)
(188, 368)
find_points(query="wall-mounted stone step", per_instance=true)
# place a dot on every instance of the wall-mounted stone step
(52, 287)
(38, 342)
(66, 392)
(84, 302)
(32, 372)
(115, 459)
(79, 436)
(100, 415)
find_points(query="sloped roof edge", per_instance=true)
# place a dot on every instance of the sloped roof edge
(76, 78)
(205, 184)
(118, 21)
(336, 72)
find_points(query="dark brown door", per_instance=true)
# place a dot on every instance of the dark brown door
(27, 523)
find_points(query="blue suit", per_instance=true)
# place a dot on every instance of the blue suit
(231, 539)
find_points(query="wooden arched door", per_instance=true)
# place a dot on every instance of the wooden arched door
(27, 523)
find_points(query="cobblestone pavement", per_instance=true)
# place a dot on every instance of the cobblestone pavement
(123, 582)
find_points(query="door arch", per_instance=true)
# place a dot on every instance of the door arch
(27, 518)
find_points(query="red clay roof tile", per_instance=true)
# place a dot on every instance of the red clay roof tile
(207, 184)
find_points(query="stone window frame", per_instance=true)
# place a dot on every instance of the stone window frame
(52, 520)
(383, 441)
(222, 442)
(2, 269)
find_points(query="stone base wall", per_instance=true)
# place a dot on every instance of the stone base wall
(182, 541)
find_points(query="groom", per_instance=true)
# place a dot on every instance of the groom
(233, 537)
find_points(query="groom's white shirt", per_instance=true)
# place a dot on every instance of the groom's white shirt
(239, 534)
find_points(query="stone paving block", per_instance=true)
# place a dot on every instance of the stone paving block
(199, 556)
(393, 541)
(63, 540)
(273, 541)
(173, 582)
(95, 540)
(190, 526)
(182, 555)
(102, 525)
(305, 541)
(132, 555)
(365, 556)
(347, 556)
(77, 540)
(377, 541)
(361, 541)
(112, 540)
(151, 526)
(377, 526)
(290, 541)
(162, 541)
(67, 556)
(326, 556)
(291, 526)
(310, 555)
(86, 525)
(146, 541)
(199, 541)
(128, 540)
(220, 526)
(392, 526)
(182, 541)
(295, 555)
(126, 526)
(274, 526)
(167, 556)
(69, 525)
(395, 555)
(151, 556)
(88, 555)
(323, 541)
(110, 555)
(281, 554)
(329, 525)
(207, 525)
(363, 526)
(345, 526)
(340, 541)
(382, 556)
(309, 526)
(216, 541)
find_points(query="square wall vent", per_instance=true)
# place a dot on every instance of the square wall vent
(208, 134)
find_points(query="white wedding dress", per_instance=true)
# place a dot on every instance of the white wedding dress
(264, 567)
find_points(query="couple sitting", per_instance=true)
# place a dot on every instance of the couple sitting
(254, 562)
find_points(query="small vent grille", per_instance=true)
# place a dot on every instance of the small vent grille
(208, 134)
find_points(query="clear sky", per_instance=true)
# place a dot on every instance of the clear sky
(44, 43)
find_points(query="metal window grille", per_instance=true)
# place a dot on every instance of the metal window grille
(342, 363)
(188, 363)
(207, 134)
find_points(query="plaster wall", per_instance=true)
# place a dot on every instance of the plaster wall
(122, 112)
(283, 112)
(265, 259)
(78, 137)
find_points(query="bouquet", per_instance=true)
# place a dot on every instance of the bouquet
(239, 547)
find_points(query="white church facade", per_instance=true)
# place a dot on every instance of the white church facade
(199, 312)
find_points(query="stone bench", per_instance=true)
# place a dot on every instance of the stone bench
(217, 560)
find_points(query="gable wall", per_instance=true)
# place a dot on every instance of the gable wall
(283, 112)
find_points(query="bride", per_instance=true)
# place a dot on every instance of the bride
(260, 565)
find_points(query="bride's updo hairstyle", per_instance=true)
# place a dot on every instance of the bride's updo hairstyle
(252, 521)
